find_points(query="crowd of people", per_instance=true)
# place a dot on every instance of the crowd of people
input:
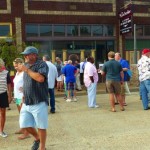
(35, 81)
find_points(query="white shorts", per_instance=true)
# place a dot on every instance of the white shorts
(59, 78)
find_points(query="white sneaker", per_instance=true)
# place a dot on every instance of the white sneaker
(3, 134)
(68, 100)
(75, 99)
(96, 106)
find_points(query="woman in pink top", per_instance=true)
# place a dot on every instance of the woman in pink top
(90, 81)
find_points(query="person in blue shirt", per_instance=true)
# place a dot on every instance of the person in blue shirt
(125, 67)
(69, 72)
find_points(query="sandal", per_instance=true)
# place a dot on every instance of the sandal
(113, 110)
(124, 104)
(122, 109)
(19, 132)
(23, 137)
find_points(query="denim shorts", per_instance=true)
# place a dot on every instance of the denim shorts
(35, 116)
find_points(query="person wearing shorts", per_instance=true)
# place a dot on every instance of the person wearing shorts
(5, 97)
(69, 72)
(34, 111)
(18, 94)
(113, 70)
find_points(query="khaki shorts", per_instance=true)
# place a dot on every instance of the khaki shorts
(122, 89)
(113, 87)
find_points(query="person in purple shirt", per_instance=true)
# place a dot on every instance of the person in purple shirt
(69, 72)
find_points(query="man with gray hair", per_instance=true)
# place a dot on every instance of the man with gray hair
(52, 76)
(69, 72)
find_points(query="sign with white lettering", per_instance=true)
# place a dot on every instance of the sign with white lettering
(125, 20)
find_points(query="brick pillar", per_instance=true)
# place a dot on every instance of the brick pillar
(18, 24)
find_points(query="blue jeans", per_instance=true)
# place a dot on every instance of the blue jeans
(145, 92)
(52, 99)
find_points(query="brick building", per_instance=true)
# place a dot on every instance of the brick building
(80, 27)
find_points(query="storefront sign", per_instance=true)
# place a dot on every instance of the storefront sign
(125, 17)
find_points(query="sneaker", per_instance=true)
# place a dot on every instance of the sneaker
(75, 99)
(96, 106)
(35, 145)
(3, 134)
(68, 100)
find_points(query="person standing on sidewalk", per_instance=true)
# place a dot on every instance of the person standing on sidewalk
(125, 67)
(5, 96)
(90, 81)
(113, 70)
(34, 111)
(69, 72)
(144, 77)
(18, 94)
(52, 76)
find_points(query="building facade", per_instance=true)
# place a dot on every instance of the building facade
(75, 28)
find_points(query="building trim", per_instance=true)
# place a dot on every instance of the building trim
(8, 10)
(76, 13)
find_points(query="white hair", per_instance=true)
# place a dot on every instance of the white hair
(69, 61)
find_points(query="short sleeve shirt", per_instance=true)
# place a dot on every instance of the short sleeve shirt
(90, 70)
(69, 72)
(36, 92)
(112, 68)
(124, 64)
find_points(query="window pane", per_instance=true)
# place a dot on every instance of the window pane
(72, 30)
(4, 30)
(85, 30)
(45, 30)
(31, 30)
(97, 30)
(59, 30)
(147, 30)
(139, 30)
(108, 30)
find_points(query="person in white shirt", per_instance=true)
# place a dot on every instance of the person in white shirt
(144, 77)
(82, 66)
(18, 94)
(52, 76)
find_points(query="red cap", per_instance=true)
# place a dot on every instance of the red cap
(146, 50)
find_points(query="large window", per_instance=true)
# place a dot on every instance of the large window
(139, 30)
(72, 30)
(97, 30)
(59, 30)
(45, 30)
(147, 31)
(5, 29)
(32, 30)
(85, 30)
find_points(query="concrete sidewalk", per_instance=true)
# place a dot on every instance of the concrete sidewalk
(74, 126)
